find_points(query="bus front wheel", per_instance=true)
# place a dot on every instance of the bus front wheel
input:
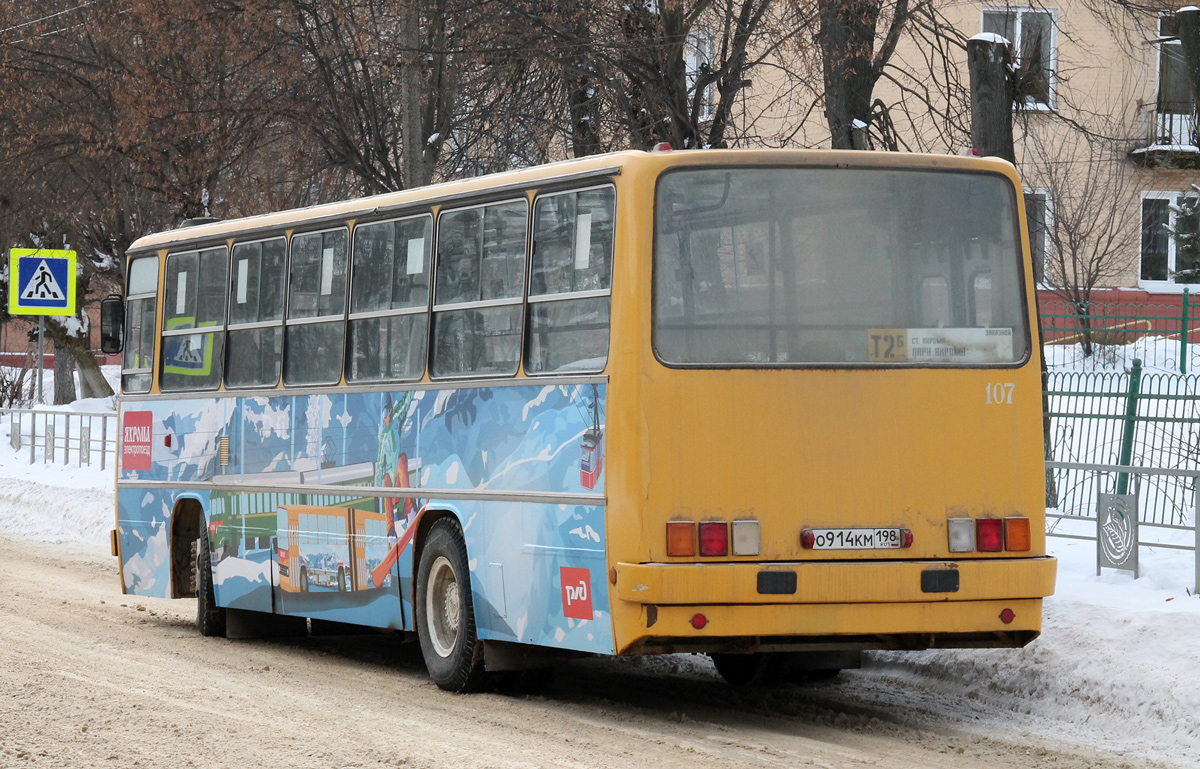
(210, 618)
(445, 616)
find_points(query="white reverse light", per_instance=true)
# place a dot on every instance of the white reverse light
(746, 538)
(962, 535)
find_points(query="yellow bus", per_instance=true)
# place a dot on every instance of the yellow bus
(775, 406)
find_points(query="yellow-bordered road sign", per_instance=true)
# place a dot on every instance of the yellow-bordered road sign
(41, 281)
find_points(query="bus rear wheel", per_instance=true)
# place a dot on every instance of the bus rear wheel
(749, 669)
(444, 611)
(768, 668)
(210, 618)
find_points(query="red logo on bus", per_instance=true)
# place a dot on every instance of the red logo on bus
(136, 434)
(576, 592)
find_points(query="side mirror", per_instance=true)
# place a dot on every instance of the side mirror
(112, 324)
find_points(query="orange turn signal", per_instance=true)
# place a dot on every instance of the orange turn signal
(681, 539)
(1016, 534)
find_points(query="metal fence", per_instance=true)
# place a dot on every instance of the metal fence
(1143, 420)
(1109, 479)
(63, 437)
(1103, 335)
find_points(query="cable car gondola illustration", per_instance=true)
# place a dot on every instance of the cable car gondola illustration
(591, 459)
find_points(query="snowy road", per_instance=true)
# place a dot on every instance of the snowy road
(91, 678)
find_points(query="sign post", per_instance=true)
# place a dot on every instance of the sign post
(41, 282)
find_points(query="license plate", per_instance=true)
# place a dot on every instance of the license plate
(855, 539)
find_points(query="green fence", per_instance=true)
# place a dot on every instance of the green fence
(1127, 418)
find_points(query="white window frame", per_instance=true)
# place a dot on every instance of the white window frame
(700, 49)
(1052, 104)
(1168, 286)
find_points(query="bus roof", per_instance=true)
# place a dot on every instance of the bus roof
(597, 166)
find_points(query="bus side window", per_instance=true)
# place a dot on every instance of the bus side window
(479, 288)
(194, 299)
(315, 331)
(255, 299)
(570, 285)
(140, 295)
(389, 300)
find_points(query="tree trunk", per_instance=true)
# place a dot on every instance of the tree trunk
(847, 39)
(91, 378)
(85, 361)
(408, 41)
(991, 98)
(64, 376)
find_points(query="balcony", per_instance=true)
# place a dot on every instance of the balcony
(1169, 140)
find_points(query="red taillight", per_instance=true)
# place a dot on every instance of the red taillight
(681, 539)
(1007, 616)
(714, 538)
(807, 539)
(906, 538)
(989, 535)
(699, 621)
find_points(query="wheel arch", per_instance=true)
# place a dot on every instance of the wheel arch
(187, 523)
(430, 515)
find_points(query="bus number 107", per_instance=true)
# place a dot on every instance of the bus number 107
(1000, 392)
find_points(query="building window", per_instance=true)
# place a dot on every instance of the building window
(1163, 262)
(1037, 213)
(1031, 31)
(1174, 91)
(698, 58)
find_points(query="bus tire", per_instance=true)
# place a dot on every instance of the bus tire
(341, 580)
(303, 580)
(210, 618)
(445, 613)
(759, 669)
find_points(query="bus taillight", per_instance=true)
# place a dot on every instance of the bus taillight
(1016, 534)
(681, 539)
(989, 535)
(714, 538)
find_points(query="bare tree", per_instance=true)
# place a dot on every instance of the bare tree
(1091, 240)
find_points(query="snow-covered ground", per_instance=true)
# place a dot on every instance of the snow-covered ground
(1116, 667)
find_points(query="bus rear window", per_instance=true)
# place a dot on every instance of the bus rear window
(823, 266)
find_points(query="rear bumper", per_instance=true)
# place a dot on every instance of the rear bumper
(864, 605)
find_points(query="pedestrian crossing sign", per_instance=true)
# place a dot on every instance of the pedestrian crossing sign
(41, 281)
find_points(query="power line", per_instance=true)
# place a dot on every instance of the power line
(47, 18)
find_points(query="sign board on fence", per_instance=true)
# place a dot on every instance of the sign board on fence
(41, 281)
(1117, 532)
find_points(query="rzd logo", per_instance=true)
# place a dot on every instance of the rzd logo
(576, 592)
